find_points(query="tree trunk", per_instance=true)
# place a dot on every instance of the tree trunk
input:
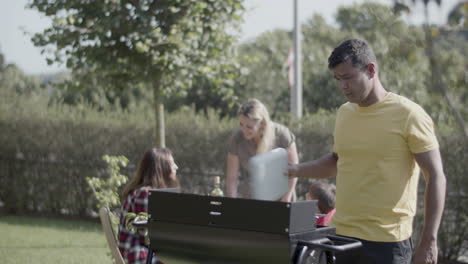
(160, 136)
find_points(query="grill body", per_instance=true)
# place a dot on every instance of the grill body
(204, 229)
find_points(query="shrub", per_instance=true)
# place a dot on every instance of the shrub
(106, 189)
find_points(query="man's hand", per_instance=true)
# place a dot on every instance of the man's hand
(426, 253)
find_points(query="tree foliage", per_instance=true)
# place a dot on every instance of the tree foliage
(265, 59)
(437, 81)
(404, 66)
(162, 43)
(137, 40)
(396, 46)
(458, 16)
(207, 93)
(82, 87)
(13, 81)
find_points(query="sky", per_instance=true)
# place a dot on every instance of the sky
(262, 15)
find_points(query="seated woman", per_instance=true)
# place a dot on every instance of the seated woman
(156, 170)
(324, 193)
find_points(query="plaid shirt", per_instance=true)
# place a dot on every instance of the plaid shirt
(132, 243)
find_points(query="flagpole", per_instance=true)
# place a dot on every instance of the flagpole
(296, 92)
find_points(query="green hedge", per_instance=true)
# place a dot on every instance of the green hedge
(47, 152)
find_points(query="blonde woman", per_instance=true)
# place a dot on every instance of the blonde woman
(256, 134)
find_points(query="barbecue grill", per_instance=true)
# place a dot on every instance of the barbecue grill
(221, 230)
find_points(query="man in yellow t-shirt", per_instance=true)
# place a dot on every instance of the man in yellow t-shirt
(381, 141)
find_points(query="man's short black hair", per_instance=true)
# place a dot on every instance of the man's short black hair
(357, 51)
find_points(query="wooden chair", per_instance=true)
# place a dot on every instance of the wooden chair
(104, 215)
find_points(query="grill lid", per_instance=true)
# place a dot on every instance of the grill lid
(232, 213)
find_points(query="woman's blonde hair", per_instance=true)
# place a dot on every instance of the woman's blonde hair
(256, 110)
(154, 171)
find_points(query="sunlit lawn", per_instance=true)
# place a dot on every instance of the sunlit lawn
(48, 240)
(42, 240)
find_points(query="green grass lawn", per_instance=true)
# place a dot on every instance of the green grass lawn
(42, 240)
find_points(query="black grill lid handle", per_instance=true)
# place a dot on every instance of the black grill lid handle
(332, 243)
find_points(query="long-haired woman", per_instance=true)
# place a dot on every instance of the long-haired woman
(156, 169)
(256, 134)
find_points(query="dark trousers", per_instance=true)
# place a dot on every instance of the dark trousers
(378, 253)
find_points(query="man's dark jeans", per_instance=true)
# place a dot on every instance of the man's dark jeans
(378, 253)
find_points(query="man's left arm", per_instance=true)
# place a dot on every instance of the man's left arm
(434, 197)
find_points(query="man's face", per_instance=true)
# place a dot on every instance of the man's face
(355, 84)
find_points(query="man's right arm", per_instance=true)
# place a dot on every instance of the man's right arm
(324, 167)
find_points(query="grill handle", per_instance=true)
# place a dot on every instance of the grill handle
(332, 243)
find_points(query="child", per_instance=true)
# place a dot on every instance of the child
(156, 170)
(324, 193)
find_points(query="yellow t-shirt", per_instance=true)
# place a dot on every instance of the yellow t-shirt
(377, 179)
